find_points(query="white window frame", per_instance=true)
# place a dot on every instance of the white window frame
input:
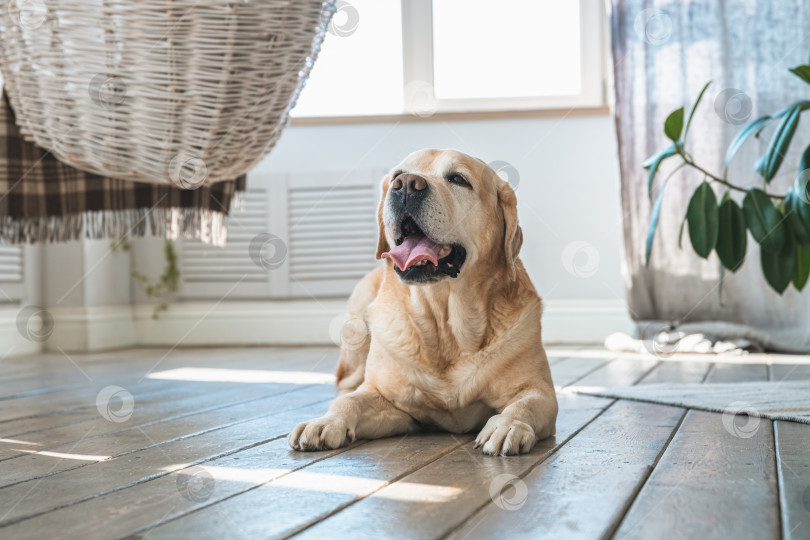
(417, 51)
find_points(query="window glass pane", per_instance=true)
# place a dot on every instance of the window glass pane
(508, 48)
(359, 69)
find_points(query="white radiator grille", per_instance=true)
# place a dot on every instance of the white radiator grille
(327, 222)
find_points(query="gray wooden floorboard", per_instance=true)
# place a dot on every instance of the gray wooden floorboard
(464, 475)
(565, 495)
(83, 396)
(146, 412)
(790, 372)
(248, 454)
(383, 515)
(327, 487)
(580, 490)
(245, 506)
(210, 459)
(571, 370)
(90, 450)
(717, 479)
(793, 463)
(731, 373)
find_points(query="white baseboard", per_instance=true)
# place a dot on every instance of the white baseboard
(584, 321)
(14, 343)
(294, 322)
(91, 329)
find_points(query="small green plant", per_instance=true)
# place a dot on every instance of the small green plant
(165, 287)
(778, 222)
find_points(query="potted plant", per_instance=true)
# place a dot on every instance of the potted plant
(778, 222)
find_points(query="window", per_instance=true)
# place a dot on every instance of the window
(359, 68)
(385, 57)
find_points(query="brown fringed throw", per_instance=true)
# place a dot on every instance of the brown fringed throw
(44, 200)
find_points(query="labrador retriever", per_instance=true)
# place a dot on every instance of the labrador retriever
(446, 334)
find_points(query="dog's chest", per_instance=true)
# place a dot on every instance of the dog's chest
(437, 399)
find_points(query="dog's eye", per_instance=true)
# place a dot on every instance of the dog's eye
(455, 178)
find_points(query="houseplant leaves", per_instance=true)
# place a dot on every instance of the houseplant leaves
(701, 214)
(654, 215)
(764, 220)
(797, 213)
(754, 127)
(692, 110)
(732, 237)
(802, 268)
(779, 267)
(802, 72)
(673, 125)
(779, 223)
(768, 165)
(654, 162)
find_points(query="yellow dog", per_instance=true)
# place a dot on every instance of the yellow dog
(447, 333)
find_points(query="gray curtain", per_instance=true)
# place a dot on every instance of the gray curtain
(663, 54)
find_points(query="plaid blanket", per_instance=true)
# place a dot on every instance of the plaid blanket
(45, 200)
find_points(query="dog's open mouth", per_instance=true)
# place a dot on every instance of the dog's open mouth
(418, 258)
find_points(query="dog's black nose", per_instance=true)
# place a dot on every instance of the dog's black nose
(409, 188)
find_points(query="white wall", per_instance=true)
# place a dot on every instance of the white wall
(569, 208)
(568, 190)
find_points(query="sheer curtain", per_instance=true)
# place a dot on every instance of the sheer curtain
(663, 54)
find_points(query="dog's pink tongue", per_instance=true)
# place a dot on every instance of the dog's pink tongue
(413, 250)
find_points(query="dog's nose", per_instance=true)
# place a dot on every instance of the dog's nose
(408, 185)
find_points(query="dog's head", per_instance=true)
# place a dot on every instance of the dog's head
(444, 214)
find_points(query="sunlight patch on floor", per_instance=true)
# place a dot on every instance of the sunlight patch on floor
(78, 457)
(574, 389)
(15, 441)
(198, 374)
(333, 483)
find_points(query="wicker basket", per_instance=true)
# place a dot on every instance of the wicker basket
(187, 91)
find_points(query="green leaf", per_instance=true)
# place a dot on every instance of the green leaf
(654, 215)
(768, 165)
(756, 126)
(732, 238)
(653, 158)
(673, 125)
(680, 232)
(801, 105)
(692, 110)
(798, 215)
(801, 186)
(701, 214)
(802, 268)
(764, 220)
(654, 162)
(778, 267)
(802, 72)
(804, 162)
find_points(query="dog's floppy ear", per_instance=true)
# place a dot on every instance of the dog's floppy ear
(512, 233)
(382, 242)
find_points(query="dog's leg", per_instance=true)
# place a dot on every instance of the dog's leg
(362, 414)
(355, 335)
(529, 417)
(353, 353)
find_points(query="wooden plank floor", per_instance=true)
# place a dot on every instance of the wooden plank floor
(192, 443)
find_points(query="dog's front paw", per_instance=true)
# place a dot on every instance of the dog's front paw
(325, 433)
(506, 437)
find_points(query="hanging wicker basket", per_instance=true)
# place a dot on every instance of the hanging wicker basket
(158, 90)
